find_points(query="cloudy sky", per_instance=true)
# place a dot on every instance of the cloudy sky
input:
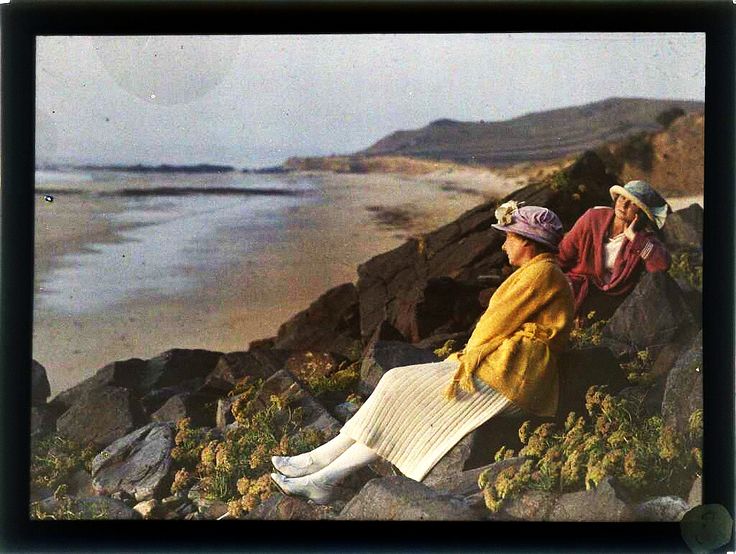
(252, 101)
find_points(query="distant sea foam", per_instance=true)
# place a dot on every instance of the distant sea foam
(171, 242)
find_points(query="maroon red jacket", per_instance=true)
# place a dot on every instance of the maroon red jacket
(581, 256)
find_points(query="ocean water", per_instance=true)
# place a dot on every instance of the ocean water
(173, 225)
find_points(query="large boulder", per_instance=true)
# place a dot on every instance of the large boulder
(330, 323)
(43, 421)
(380, 356)
(233, 367)
(662, 508)
(402, 499)
(684, 227)
(199, 408)
(280, 507)
(581, 369)
(467, 249)
(138, 464)
(175, 366)
(100, 417)
(683, 393)
(598, 504)
(654, 314)
(527, 506)
(40, 388)
(124, 373)
(501, 430)
(451, 464)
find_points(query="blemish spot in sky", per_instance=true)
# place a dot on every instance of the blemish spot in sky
(48, 198)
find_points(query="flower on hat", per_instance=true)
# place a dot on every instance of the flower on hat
(504, 213)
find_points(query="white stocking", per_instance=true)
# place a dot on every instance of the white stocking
(309, 462)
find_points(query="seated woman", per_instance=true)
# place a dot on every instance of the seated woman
(418, 413)
(605, 252)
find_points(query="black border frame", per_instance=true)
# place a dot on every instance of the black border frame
(22, 21)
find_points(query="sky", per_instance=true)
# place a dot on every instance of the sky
(253, 101)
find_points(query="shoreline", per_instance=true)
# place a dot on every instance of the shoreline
(320, 247)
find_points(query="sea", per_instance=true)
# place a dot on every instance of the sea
(167, 224)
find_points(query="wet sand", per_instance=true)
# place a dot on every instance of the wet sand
(320, 247)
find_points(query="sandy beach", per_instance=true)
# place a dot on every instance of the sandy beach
(320, 247)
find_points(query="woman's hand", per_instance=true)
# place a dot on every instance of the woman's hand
(629, 231)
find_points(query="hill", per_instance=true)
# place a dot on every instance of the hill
(536, 136)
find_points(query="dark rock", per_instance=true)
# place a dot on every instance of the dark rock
(138, 464)
(648, 398)
(451, 464)
(442, 304)
(280, 507)
(40, 388)
(199, 408)
(173, 367)
(581, 369)
(100, 417)
(384, 355)
(233, 367)
(653, 315)
(43, 421)
(387, 332)
(663, 508)
(466, 482)
(391, 285)
(684, 227)
(125, 373)
(684, 387)
(155, 399)
(213, 509)
(80, 484)
(598, 504)
(501, 430)
(402, 499)
(438, 341)
(345, 411)
(695, 497)
(527, 506)
(331, 316)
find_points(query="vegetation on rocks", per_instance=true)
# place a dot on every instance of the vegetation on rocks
(234, 467)
(616, 439)
(588, 334)
(638, 370)
(55, 459)
(687, 268)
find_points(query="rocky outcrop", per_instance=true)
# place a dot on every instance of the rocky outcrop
(114, 416)
(329, 323)
(683, 392)
(40, 388)
(652, 316)
(598, 504)
(137, 464)
(381, 356)
(401, 499)
(394, 284)
(684, 227)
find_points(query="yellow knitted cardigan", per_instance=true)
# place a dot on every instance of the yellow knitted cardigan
(515, 343)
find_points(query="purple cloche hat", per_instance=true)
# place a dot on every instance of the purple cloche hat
(533, 222)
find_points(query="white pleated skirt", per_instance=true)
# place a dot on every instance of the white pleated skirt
(408, 421)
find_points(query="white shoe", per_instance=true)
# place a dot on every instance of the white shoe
(295, 466)
(319, 493)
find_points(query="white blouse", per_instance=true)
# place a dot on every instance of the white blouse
(611, 250)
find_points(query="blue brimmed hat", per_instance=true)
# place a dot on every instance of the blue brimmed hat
(648, 200)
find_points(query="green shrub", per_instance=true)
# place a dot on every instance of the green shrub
(589, 334)
(55, 459)
(235, 468)
(639, 370)
(615, 440)
(451, 346)
(687, 268)
(66, 508)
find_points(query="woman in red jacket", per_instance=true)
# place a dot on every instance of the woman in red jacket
(607, 249)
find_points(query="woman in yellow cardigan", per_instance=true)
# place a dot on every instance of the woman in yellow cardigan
(418, 413)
